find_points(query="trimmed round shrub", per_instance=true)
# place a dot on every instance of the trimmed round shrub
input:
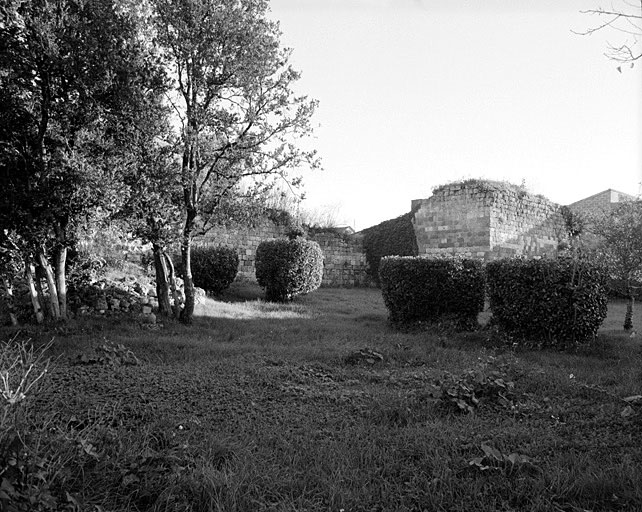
(214, 268)
(427, 289)
(287, 268)
(559, 303)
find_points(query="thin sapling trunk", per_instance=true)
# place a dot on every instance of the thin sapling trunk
(628, 317)
(61, 280)
(38, 274)
(33, 293)
(186, 258)
(51, 285)
(188, 282)
(172, 283)
(162, 281)
(11, 301)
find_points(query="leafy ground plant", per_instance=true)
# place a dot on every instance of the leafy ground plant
(493, 459)
(108, 353)
(485, 385)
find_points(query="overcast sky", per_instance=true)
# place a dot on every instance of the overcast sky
(417, 93)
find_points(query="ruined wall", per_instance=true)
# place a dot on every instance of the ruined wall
(455, 218)
(481, 219)
(344, 260)
(523, 224)
(486, 219)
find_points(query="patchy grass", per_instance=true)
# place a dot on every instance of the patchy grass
(258, 407)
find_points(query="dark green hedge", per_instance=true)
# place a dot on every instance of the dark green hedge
(432, 289)
(557, 303)
(214, 268)
(287, 268)
(395, 237)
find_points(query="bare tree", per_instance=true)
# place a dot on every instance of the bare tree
(327, 215)
(625, 17)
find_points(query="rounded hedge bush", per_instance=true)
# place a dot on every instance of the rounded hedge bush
(557, 303)
(432, 289)
(287, 268)
(214, 268)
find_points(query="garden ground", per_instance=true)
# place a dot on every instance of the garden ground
(289, 407)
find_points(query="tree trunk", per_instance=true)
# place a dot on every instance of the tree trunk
(172, 282)
(51, 284)
(188, 282)
(628, 317)
(11, 302)
(190, 201)
(61, 280)
(29, 274)
(162, 284)
(44, 303)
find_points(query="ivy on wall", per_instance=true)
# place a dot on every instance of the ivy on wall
(395, 237)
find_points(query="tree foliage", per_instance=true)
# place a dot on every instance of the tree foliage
(70, 82)
(170, 113)
(237, 113)
(620, 231)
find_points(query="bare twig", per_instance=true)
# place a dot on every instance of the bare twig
(627, 20)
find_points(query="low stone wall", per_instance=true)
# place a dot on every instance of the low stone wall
(344, 260)
(489, 220)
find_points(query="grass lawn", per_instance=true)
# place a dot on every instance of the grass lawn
(260, 407)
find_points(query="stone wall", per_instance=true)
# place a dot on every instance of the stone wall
(344, 260)
(453, 219)
(244, 240)
(487, 219)
(476, 218)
